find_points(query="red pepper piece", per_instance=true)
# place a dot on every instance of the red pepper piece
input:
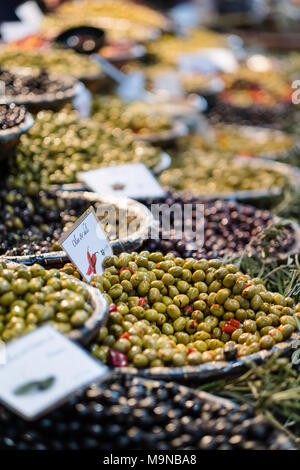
(92, 260)
(235, 323)
(228, 329)
(125, 335)
(188, 309)
(230, 326)
(127, 269)
(142, 302)
(117, 359)
(112, 308)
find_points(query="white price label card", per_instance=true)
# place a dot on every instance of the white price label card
(30, 13)
(132, 180)
(83, 101)
(86, 244)
(43, 369)
(168, 83)
(208, 61)
(15, 30)
(132, 87)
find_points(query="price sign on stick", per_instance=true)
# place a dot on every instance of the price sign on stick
(86, 244)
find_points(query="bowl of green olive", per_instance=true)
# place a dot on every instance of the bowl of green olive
(255, 141)
(147, 121)
(60, 145)
(187, 318)
(213, 175)
(31, 297)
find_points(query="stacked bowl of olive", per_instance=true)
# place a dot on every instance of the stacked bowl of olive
(32, 296)
(167, 311)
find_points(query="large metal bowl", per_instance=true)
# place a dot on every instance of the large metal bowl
(260, 196)
(210, 371)
(131, 243)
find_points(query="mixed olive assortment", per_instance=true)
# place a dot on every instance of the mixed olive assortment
(32, 223)
(166, 310)
(246, 87)
(253, 98)
(229, 229)
(140, 117)
(59, 145)
(31, 84)
(205, 173)
(138, 414)
(56, 61)
(31, 296)
(11, 115)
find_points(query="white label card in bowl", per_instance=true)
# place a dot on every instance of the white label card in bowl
(86, 244)
(42, 370)
(208, 61)
(132, 180)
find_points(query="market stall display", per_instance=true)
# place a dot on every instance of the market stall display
(193, 285)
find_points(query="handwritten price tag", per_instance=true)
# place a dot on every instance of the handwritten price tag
(86, 244)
